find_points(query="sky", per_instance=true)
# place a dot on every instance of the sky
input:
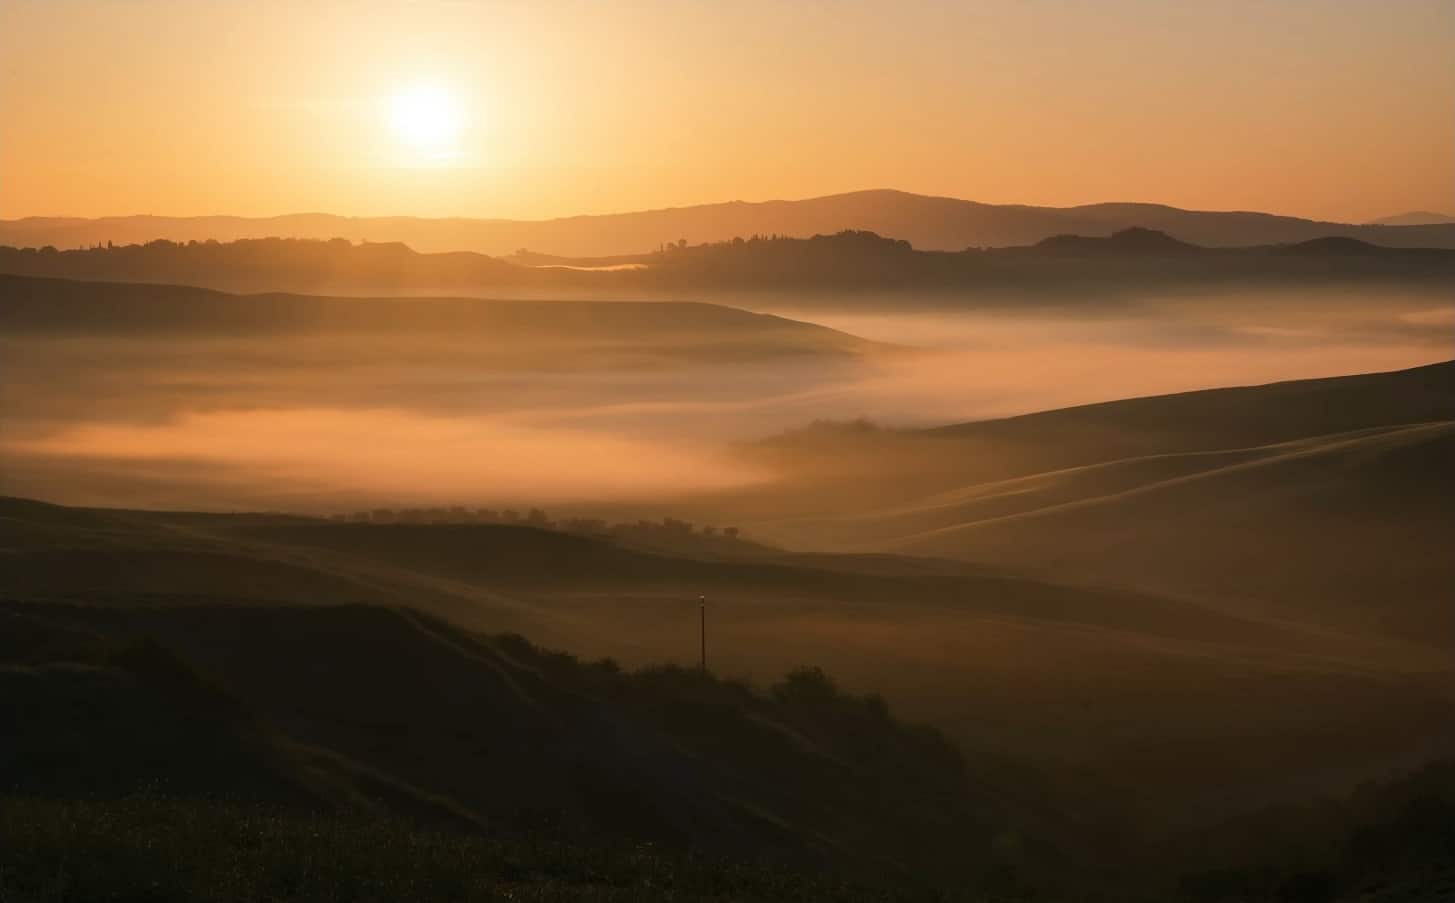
(1332, 109)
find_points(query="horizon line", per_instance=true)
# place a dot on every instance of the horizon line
(700, 205)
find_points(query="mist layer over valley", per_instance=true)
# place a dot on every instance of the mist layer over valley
(315, 405)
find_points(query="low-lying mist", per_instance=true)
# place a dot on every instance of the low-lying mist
(394, 409)
(979, 364)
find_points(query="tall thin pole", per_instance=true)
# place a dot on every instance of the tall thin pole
(702, 624)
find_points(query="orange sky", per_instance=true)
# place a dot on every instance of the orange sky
(1339, 109)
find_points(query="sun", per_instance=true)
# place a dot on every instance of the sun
(427, 117)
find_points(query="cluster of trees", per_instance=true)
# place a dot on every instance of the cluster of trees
(758, 238)
(536, 517)
(156, 244)
(268, 265)
(846, 257)
(848, 241)
(456, 514)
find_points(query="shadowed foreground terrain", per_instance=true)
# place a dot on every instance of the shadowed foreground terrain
(1387, 843)
(1154, 635)
(563, 768)
(191, 849)
(262, 658)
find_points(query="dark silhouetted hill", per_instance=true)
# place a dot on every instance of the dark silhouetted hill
(1392, 840)
(571, 329)
(353, 709)
(298, 679)
(931, 223)
(1055, 677)
(1333, 246)
(274, 264)
(1134, 241)
(843, 263)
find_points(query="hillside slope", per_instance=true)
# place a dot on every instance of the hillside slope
(1058, 678)
(45, 307)
(356, 708)
(1322, 500)
(1348, 528)
(1232, 417)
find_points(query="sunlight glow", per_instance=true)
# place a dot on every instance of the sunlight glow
(427, 117)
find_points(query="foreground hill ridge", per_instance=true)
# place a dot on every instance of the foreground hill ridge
(356, 708)
(930, 222)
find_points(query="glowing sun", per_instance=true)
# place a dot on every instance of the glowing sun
(427, 117)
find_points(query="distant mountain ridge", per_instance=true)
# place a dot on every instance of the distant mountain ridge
(1415, 218)
(841, 264)
(929, 223)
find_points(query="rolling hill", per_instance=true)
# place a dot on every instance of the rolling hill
(40, 307)
(1298, 500)
(1057, 678)
(931, 223)
(359, 709)
(1319, 527)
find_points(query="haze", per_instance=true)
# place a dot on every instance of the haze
(1336, 110)
(402, 405)
(424, 474)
